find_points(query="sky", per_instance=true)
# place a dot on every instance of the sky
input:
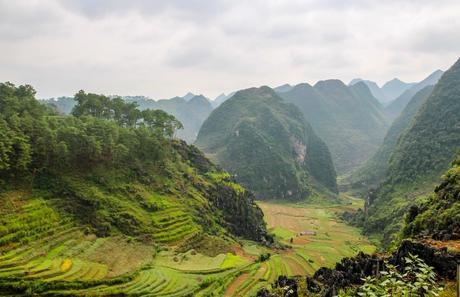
(166, 48)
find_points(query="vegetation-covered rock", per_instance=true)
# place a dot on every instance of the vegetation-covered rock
(268, 145)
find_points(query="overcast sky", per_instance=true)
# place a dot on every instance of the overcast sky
(166, 48)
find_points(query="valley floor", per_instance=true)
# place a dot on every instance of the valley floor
(99, 267)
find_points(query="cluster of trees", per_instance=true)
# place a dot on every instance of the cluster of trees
(101, 131)
(125, 114)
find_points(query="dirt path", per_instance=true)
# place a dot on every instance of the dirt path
(230, 291)
(294, 266)
(259, 274)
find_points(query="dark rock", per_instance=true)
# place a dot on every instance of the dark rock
(443, 262)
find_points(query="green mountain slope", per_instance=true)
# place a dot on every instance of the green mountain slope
(86, 201)
(439, 216)
(349, 119)
(268, 145)
(422, 153)
(373, 171)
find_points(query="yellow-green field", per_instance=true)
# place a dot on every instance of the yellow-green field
(39, 247)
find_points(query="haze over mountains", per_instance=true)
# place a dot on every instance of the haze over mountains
(348, 118)
(398, 104)
(191, 110)
(388, 92)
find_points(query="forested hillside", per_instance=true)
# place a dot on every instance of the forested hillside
(374, 169)
(349, 119)
(106, 180)
(422, 153)
(438, 216)
(269, 146)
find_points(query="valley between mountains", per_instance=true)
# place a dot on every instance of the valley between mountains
(308, 190)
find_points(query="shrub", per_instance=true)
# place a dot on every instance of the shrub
(416, 279)
(264, 257)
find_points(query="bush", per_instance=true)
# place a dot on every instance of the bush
(264, 257)
(416, 279)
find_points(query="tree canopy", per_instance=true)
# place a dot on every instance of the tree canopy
(101, 131)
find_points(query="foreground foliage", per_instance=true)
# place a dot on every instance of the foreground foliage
(416, 279)
(414, 269)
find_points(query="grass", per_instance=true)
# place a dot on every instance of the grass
(233, 261)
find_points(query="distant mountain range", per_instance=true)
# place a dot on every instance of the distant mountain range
(283, 88)
(191, 112)
(221, 99)
(348, 118)
(388, 92)
(269, 146)
(398, 104)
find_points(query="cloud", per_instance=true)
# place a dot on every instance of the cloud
(164, 48)
(194, 10)
(28, 19)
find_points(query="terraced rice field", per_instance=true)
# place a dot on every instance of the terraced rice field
(315, 233)
(39, 247)
(317, 237)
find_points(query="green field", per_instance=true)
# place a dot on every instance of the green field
(39, 248)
